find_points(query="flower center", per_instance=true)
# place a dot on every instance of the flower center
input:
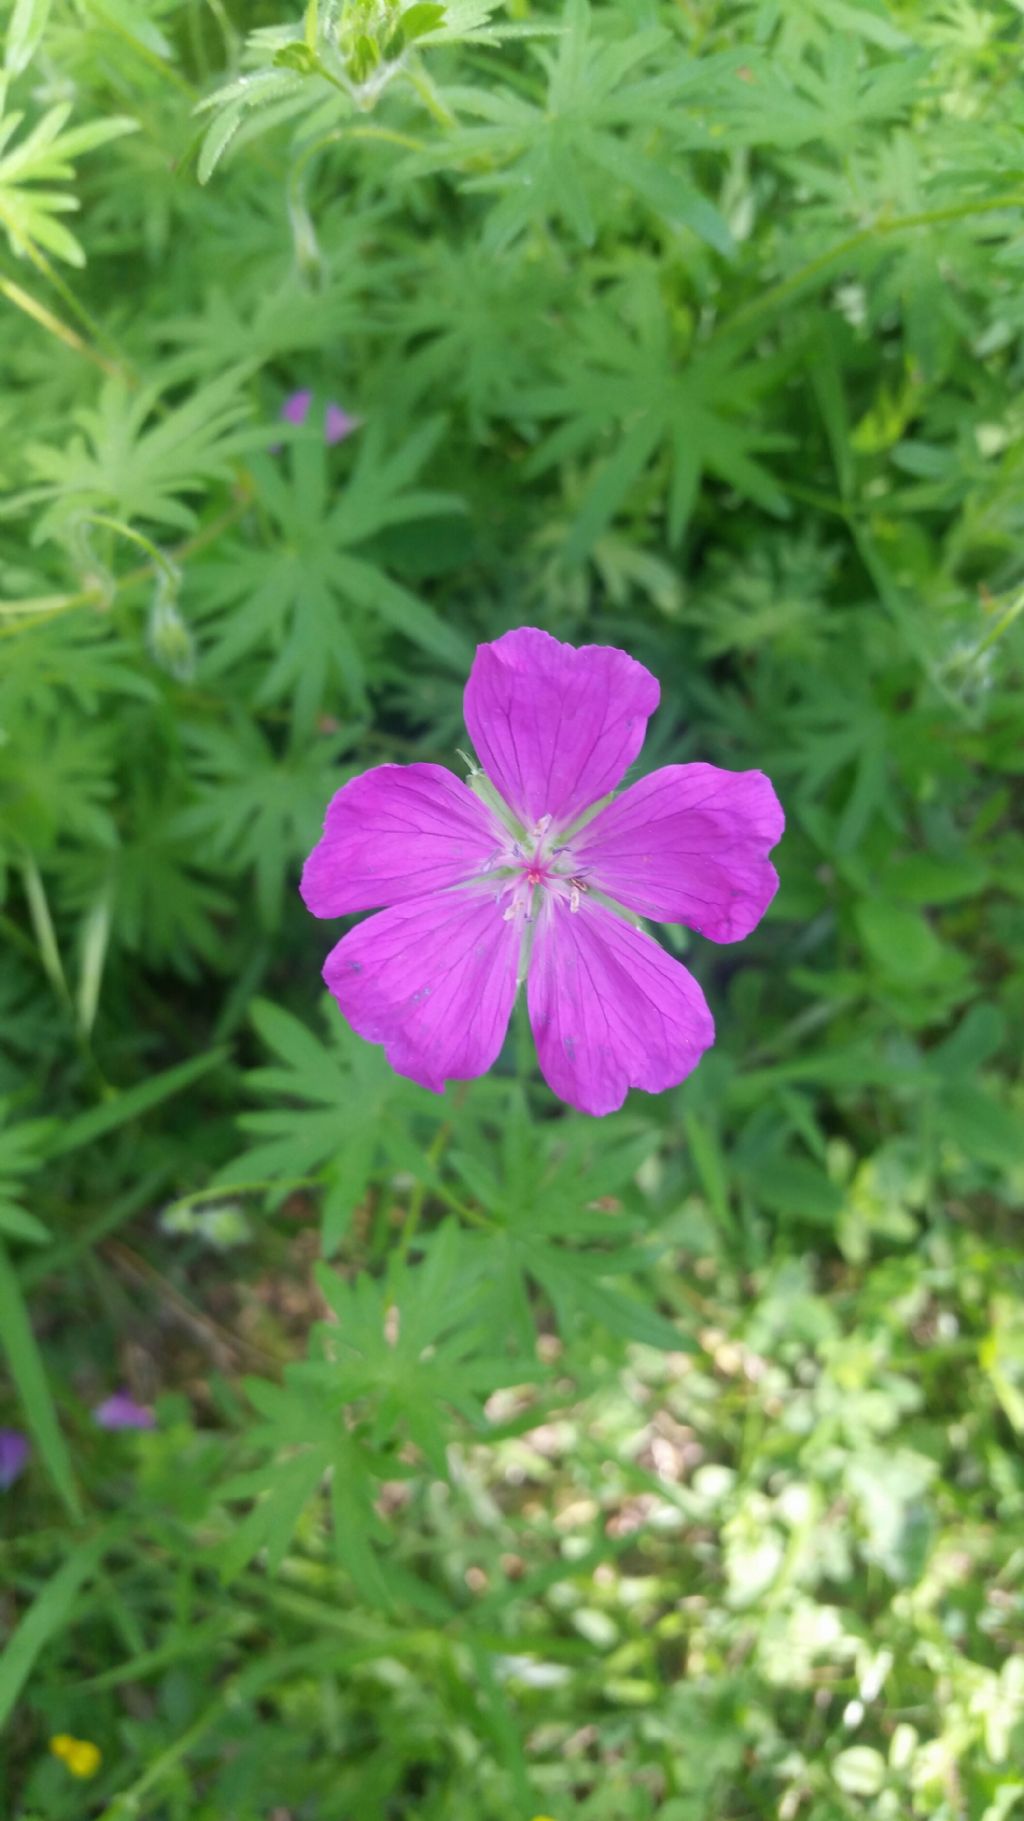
(540, 863)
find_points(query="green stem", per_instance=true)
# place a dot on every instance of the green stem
(144, 572)
(428, 94)
(23, 300)
(98, 334)
(159, 558)
(432, 1159)
(225, 1190)
(1003, 624)
(523, 1039)
(128, 1803)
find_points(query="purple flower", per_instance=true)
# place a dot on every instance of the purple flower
(523, 873)
(338, 423)
(295, 409)
(122, 1412)
(14, 1453)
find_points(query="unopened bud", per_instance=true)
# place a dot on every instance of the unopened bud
(169, 639)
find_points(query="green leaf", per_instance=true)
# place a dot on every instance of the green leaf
(131, 1104)
(257, 809)
(51, 1612)
(27, 214)
(216, 140)
(671, 194)
(923, 879)
(135, 457)
(296, 56)
(572, 1285)
(979, 1035)
(26, 28)
(985, 1129)
(796, 1189)
(711, 1168)
(22, 1146)
(29, 1375)
(555, 150)
(311, 597)
(15, 1223)
(329, 1116)
(272, 1521)
(901, 941)
(691, 412)
(423, 17)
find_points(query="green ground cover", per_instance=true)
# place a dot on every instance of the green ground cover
(508, 1463)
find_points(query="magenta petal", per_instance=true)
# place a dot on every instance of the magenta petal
(433, 980)
(555, 726)
(689, 844)
(397, 832)
(14, 1453)
(122, 1412)
(610, 1010)
(338, 424)
(295, 409)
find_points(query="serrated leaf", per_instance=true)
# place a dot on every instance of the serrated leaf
(27, 212)
(216, 140)
(328, 1120)
(424, 16)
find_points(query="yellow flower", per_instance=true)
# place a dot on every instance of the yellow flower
(81, 1756)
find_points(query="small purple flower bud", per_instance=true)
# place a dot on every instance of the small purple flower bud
(14, 1453)
(122, 1412)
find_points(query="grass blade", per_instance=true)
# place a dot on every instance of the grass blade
(29, 1374)
(49, 1613)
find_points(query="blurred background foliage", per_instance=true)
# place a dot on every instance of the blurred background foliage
(510, 1463)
